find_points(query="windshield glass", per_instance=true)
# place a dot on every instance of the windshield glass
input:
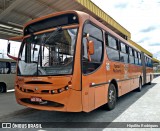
(48, 53)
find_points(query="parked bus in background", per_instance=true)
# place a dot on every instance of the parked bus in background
(68, 61)
(7, 74)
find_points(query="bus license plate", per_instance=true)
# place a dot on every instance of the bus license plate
(36, 99)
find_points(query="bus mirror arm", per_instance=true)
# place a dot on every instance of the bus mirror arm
(12, 57)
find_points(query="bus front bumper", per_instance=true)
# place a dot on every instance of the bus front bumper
(66, 101)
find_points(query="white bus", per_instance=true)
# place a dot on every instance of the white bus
(7, 74)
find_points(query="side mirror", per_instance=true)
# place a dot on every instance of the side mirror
(12, 41)
(91, 47)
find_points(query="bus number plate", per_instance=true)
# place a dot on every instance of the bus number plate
(36, 99)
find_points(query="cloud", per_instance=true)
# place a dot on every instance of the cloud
(157, 55)
(143, 40)
(149, 29)
(121, 5)
(154, 44)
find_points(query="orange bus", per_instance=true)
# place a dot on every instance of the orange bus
(68, 61)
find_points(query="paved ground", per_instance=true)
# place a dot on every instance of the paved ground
(132, 107)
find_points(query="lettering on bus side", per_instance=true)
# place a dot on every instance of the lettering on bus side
(117, 68)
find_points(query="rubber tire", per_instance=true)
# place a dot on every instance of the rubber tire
(2, 88)
(139, 89)
(150, 81)
(111, 105)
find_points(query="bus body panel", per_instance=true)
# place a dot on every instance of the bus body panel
(71, 100)
(94, 91)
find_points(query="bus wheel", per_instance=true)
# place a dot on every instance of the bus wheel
(112, 97)
(140, 85)
(2, 88)
(150, 80)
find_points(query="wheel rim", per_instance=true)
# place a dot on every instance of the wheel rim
(112, 96)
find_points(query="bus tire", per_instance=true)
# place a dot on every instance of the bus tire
(139, 89)
(2, 88)
(112, 97)
(150, 80)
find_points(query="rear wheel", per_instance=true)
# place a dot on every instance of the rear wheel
(139, 89)
(2, 88)
(112, 97)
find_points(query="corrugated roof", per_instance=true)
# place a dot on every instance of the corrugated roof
(21, 11)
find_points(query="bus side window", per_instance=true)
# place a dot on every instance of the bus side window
(136, 57)
(13, 67)
(4, 67)
(8, 68)
(123, 53)
(112, 48)
(131, 56)
(139, 57)
(95, 35)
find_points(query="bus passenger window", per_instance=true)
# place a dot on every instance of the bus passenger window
(131, 56)
(13, 67)
(123, 53)
(136, 57)
(139, 57)
(95, 35)
(4, 67)
(112, 48)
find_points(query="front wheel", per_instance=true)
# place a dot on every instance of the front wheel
(112, 97)
(2, 88)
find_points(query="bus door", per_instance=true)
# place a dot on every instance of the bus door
(93, 74)
(144, 67)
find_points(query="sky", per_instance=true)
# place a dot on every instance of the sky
(140, 17)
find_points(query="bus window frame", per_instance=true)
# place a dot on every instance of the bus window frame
(88, 21)
(107, 46)
(126, 46)
(46, 31)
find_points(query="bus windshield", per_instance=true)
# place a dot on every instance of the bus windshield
(48, 53)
